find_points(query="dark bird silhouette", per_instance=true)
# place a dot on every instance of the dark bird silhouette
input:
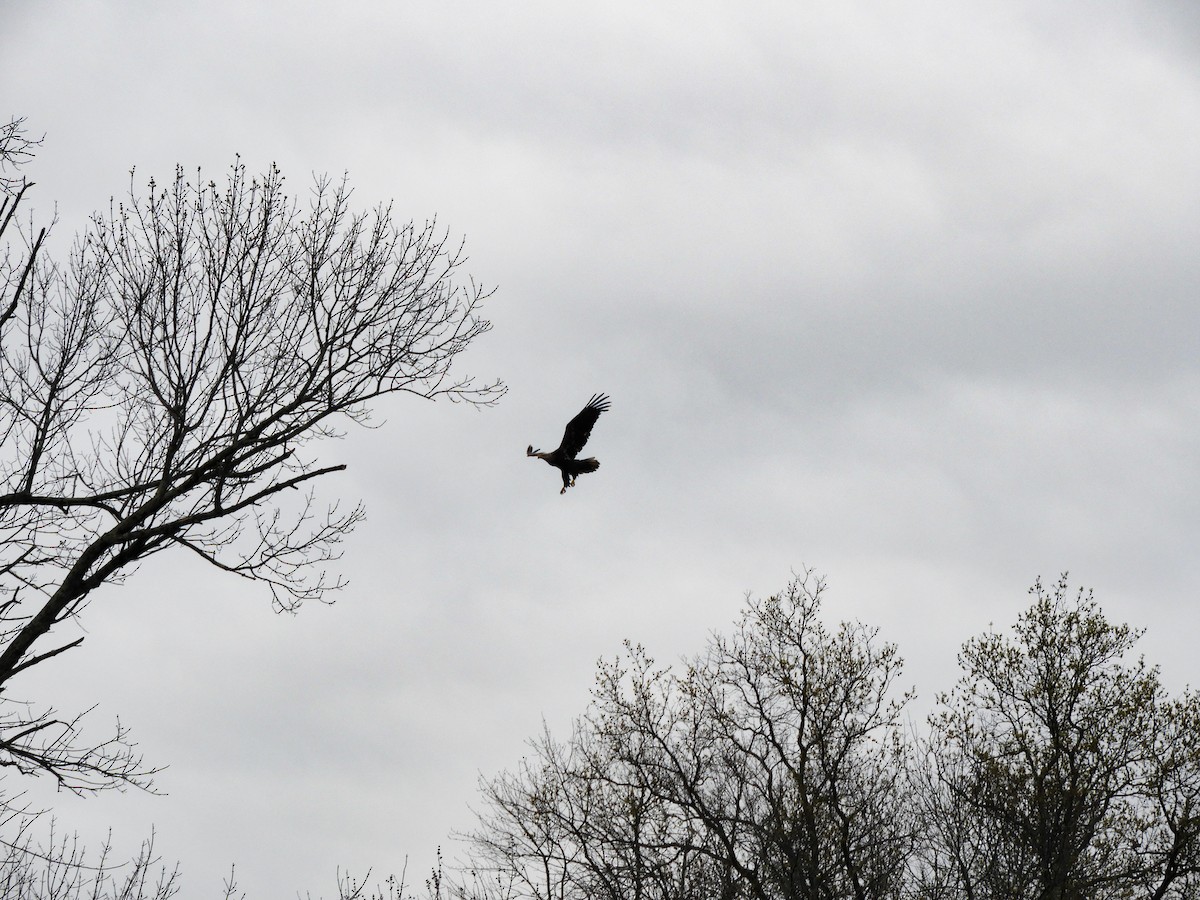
(578, 430)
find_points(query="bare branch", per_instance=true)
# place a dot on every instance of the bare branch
(34, 660)
(160, 389)
(16, 149)
(766, 768)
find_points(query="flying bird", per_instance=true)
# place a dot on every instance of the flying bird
(578, 430)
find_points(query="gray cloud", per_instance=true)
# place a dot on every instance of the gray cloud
(904, 295)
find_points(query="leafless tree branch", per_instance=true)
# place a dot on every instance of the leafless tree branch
(165, 387)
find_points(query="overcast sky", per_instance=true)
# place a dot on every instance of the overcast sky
(906, 293)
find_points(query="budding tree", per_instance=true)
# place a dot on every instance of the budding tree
(163, 388)
(772, 766)
(1059, 769)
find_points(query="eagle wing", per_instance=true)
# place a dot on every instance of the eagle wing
(579, 429)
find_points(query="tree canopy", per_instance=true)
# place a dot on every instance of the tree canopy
(778, 764)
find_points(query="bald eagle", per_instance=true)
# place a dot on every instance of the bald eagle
(579, 429)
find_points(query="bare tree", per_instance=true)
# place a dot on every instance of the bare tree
(772, 767)
(164, 389)
(58, 868)
(576, 821)
(16, 149)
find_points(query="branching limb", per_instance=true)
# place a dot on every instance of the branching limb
(157, 390)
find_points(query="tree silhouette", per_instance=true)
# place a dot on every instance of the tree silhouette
(771, 766)
(1058, 767)
(775, 766)
(163, 389)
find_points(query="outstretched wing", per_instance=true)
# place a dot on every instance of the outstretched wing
(579, 429)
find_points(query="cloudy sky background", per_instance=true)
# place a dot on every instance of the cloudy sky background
(907, 293)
